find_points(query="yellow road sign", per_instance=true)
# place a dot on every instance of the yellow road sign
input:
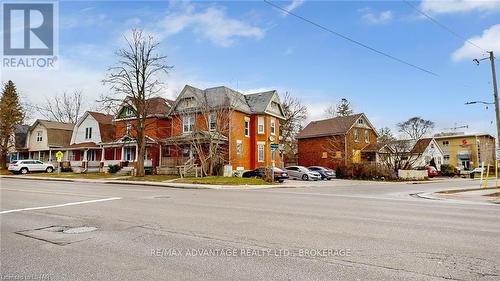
(59, 154)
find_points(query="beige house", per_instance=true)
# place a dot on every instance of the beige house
(45, 138)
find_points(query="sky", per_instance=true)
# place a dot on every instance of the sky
(251, 46)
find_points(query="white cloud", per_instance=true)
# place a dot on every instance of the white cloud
(377, 18)
(212, 24)
(459, 6)
(489, 40)
(294, 5)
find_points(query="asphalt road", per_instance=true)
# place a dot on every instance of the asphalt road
(339, 230)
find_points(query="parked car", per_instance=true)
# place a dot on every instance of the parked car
(325, 173)
(279, 175)
(431, 171)
(303, 173)
(476, 171)
(26, 166)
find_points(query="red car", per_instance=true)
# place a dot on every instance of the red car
(432, 171)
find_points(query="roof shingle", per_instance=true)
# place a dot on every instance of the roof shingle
(329, 127)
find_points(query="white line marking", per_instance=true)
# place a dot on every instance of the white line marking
(61, 205)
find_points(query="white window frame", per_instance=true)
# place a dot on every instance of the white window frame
(212, 119)
(261, 147)
(356, 135)
(188, 121)
(88, 133)
(128, 154)
(247, 127)
(273, 126)
(261, 128)
(39, 136)
(367, 136)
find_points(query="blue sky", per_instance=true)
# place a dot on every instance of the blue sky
(251, 46)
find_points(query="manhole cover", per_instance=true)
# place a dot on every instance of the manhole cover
(78, 230)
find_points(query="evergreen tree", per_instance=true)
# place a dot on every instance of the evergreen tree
(11, 114)
(344, 108)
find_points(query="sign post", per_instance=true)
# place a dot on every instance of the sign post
(274, 147)
(59, 156)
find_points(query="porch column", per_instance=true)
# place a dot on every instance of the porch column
(123, 152)
(38, 154)
(17, 156)
(136, 152)
(103, 154)
(159, 157)
(50, 155)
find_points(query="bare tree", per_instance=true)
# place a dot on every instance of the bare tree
(331, 111)
(65, 107)
(415, 127)
(295, 114)
(209, 133)
(136, 76)
(400, 154)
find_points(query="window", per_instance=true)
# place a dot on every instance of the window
(356, 135)
(166, 151)
(446, 157)
(239, 147)
(91, 155)
(367, 136)
(212, 122)
(445, 143)
(88, 133)
(432, 145)
(247, 127)
(129, 154)
(260, 152)
(260, 124)
(360, 121)
(39, 137)
(273, 126)
(129, 128)
(188, 124)
(128, 112)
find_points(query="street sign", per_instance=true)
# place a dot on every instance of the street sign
(59, 155)
(274, 146)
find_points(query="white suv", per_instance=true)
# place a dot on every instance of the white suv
(25, 166)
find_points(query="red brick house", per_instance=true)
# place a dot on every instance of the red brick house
(122, 150)
(242, 126)
(337, 141)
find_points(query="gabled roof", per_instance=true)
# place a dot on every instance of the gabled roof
(155, 106)
(106, 126)
(329, 127)
(53, 125)
(222, 96)
(421, 145)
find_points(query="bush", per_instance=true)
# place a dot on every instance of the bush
(363, 172)
(113, 169)
(448, 170)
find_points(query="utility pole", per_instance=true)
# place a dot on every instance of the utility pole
(495, 93)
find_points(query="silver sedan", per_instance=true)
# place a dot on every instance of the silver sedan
(302, 173)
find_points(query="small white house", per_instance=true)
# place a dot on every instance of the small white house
(429, 150)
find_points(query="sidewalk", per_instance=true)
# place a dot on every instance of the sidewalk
(149, 183)
(473, 195)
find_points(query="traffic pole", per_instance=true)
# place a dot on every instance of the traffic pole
(496, 173)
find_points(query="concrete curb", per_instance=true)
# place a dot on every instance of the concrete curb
(151, 183)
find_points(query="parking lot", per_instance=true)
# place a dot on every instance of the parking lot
(338, 230)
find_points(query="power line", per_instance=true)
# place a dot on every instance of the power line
(443, 26)
(352, 40)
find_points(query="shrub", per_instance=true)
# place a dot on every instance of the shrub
(448, 170)
(363, 172)
(113, 169)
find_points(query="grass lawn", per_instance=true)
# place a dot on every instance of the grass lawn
(153, 178)
(5, 172)
(223, 181)
(69, 175)
(465, 190)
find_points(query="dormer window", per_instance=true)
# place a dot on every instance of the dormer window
(188, 102)
(212, 122)
(39, 135)
(360, 122)
(88, 133)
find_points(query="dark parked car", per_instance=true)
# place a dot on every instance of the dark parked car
(279, 175)
(325, 173)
